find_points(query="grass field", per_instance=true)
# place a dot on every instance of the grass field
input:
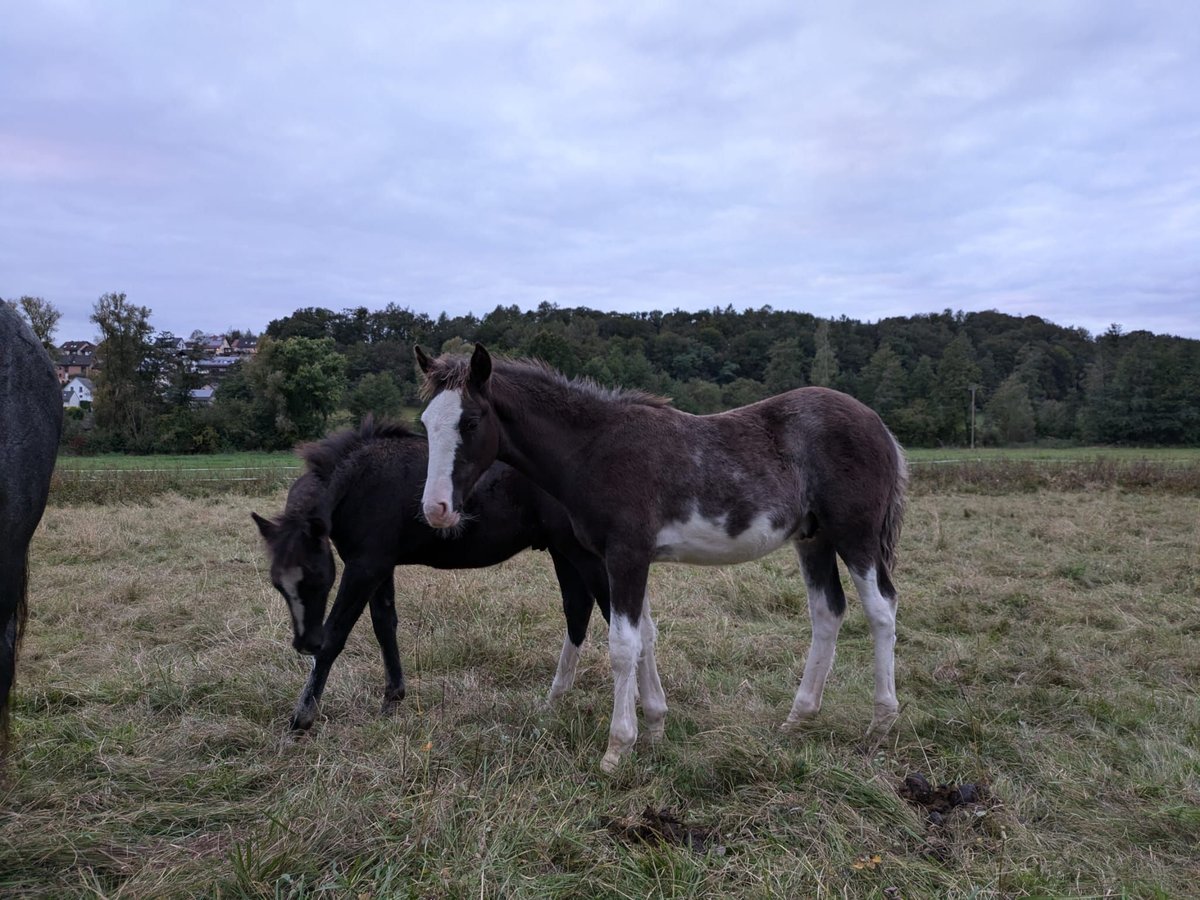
(1049, 650)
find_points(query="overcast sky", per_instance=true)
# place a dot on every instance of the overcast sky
(227, 163)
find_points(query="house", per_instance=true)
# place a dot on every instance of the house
(245, 346)
(213, 345)
(202, 396)
(77, 392)
(168, 343)
(87, 348)
(68, 365)
(216, 366)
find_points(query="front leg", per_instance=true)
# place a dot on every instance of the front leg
(383, 620)
(577, 609)
(352, 595)
(627, 574)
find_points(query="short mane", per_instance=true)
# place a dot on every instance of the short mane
(324, 455)
(451, 373)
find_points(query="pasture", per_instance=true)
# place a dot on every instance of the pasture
(1049, 651)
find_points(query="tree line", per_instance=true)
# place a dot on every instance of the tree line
(1030, 380)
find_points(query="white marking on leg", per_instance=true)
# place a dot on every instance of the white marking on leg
(564, 676)
(881, 615)
(289, 582)
(653, 697)
(441, 420)
(624, 652)
(825, 627)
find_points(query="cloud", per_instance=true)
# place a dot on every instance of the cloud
(220, 162)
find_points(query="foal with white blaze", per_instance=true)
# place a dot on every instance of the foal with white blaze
(645, 483)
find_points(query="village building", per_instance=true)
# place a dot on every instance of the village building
(77, 392)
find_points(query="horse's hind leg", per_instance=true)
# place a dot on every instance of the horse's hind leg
(383, 620)
(650, 689)
(880, 609)
(826, 607)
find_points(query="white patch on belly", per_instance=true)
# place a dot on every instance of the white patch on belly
(707, 542)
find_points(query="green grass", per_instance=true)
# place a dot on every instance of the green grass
(1052, 454)
(1049, 646)
(109, 461)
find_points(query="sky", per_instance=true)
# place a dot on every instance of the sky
(227, 163)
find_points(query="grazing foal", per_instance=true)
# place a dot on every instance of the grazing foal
(646, 483)
(362, 492)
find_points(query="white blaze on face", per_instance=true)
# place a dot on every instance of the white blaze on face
(441, 420)
(289, 580)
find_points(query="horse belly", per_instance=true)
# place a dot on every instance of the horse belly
(707, 542)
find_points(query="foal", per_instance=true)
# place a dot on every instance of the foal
(647, 483)
(362, 493)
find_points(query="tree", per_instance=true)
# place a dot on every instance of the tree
(881, 384)
(376, 393)
(126, 398)
(956, 372)
(825, 365)
(42, 318)
(1010, 412)
(299, 381)
(785, 367)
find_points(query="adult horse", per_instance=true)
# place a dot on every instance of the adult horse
(646, 483)
(362, 492)
(30, 426)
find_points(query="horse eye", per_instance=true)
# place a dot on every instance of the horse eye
(470, 424)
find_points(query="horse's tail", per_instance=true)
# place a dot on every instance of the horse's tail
(12, 629)
(893, 519)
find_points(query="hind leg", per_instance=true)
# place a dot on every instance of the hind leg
(880, 609)
(383, 620)
(650, 689)
(826, 607)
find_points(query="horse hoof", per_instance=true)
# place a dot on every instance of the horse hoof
(304, 716)
(655, 732)
(609, 764)
(393, 695)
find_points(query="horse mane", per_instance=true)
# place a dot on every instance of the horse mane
(452, 372)
(323, 456)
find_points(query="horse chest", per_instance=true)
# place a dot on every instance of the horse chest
(705, 541)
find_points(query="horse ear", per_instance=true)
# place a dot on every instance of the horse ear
(422, 360)
(481, 367)
(266, 527)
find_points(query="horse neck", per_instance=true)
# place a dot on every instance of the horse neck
(310, 495)
(545, 428)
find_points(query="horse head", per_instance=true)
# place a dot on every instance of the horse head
(303, 571)
(463, 430)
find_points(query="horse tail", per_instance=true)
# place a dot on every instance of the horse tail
(12, 629)
(893, 518)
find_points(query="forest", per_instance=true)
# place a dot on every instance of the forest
(1030, 381)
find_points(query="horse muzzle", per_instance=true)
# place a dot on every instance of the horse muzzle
(310, 643)
(440, 515)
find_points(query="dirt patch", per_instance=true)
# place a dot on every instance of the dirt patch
(664, 827)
